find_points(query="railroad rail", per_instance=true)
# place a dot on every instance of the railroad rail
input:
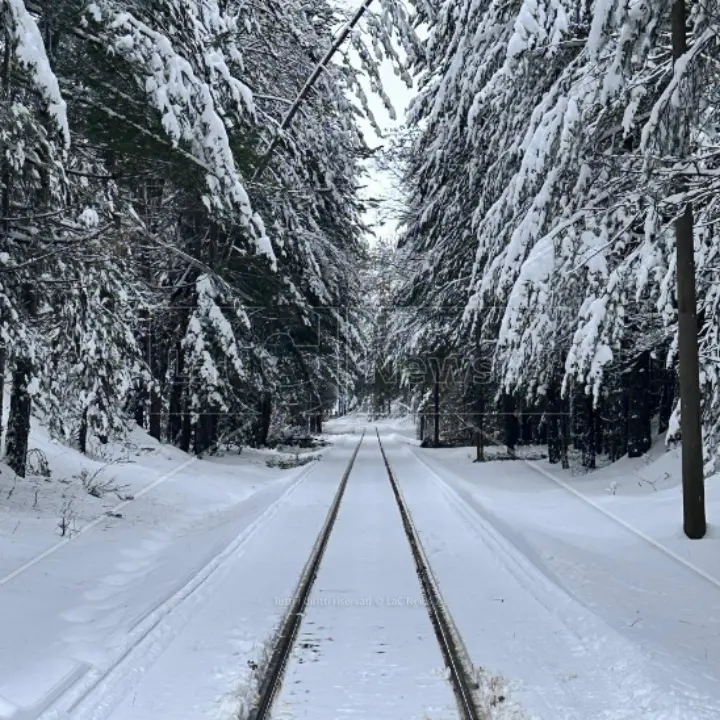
(453, 651)
(287, 634)
(461, 677)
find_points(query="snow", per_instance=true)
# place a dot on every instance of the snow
(598, 581)
(191, 108)
(366, 646)
(31, 53)
(576, 595)
(196, 663)
(531, 27)
(120, 583)
(89, 217)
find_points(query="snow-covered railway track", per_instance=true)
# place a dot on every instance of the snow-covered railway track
(455, 656)
(285, 638)
(356, 636)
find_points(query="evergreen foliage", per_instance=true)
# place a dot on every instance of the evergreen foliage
(555, 145)
(147, 274)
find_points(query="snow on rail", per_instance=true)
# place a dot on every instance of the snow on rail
(456, 658)
(285, 640)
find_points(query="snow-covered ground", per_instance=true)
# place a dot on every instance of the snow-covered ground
(580, 591)
(367, 648)
(197, 664)
(81, 490)
(72, 607)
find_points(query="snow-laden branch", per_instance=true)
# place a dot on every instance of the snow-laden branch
(191, 112)
(30, 52)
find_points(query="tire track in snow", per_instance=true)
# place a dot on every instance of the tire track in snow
(149, 638)
(618, 667)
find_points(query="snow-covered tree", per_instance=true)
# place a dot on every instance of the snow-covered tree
(157, 261)
(544, 183)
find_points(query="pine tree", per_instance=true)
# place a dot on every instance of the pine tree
(145, 273)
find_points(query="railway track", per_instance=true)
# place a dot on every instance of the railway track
(459, 668)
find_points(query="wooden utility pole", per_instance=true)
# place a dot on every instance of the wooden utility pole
(694, 522)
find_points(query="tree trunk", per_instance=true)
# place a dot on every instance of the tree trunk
(139, 409)
(213, 431)
(186, 428)
(83, 432)
(18, 431)
(203, 437)
(175, 416)
(667, 400)
(480, 422)
(139, 400)
(526, 428)
(512, 425)
(565, 438)
(3, 365)
(158, 364)
(263, 429)
(616, 419)
(552, 426)
(155, 429)
(553, 441)
(625, 425)
(588, 451)
(694, 521)
(598, 430)
(479, 446)
(436, 439)
(436, 401)
(639, 412)
(577, 420)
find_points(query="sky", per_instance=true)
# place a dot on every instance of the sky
(379, 184)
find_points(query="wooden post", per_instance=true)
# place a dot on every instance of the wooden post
(694, 521)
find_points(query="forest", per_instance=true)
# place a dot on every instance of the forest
(171, 256)
(176, 254)
(558, 256)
